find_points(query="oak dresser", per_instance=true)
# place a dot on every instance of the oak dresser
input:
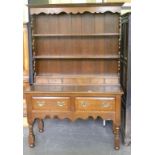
(74, 64)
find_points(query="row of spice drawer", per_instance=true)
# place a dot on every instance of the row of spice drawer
(80, 103)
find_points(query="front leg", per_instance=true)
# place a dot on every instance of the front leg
(41, 125)
(117, 138)
(113, 128)
(31, 137)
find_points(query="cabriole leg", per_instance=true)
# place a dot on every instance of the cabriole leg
(113, 128)
(41, 125)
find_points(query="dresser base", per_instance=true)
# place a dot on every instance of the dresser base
(103, 103)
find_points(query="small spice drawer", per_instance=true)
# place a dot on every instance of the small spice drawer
(95, 103)
(51, 103)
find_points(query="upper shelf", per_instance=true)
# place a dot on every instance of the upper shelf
(76, 35)
(76, 8)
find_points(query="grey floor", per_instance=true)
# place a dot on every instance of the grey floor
(82, 137)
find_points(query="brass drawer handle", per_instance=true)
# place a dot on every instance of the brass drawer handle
(60, 104)
(40, 103)
(105, 105)
(84, 104)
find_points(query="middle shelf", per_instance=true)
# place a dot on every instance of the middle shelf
(76, 57)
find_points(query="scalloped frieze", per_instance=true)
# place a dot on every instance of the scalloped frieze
(75, 10)
(74, 116)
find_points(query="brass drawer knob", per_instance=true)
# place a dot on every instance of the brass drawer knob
(40, 103)
(105, 105)
(60, 104)
(83, 104)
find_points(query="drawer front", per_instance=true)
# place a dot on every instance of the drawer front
(95, 103)
(51, 103)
